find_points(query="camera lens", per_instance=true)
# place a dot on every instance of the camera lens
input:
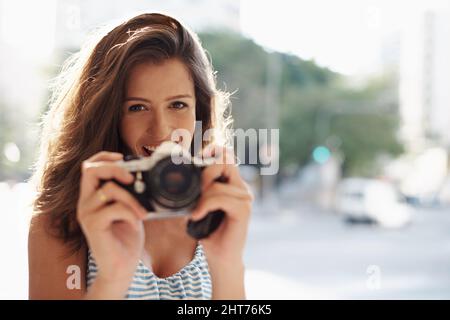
(175, 179)
(174, 186)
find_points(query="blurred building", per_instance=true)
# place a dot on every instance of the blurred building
(424, 80)
(424, 104)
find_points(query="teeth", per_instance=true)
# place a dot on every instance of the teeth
(153, 148)
(150, 148)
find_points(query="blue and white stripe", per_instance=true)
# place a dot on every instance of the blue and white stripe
(193, 281)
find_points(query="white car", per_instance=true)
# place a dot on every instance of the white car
(371, 201)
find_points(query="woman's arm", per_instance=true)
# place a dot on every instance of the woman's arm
(53, 274)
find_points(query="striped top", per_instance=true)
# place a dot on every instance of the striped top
(193, 281)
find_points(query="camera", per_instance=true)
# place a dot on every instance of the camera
(168, 184)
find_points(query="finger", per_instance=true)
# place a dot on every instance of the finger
(211, 173)
(102, 219)
(114, 193)
(228, 190)
(234, 208)
(211, 150)
(222, 154)
(93, 172)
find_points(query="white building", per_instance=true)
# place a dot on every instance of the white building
(425, 80)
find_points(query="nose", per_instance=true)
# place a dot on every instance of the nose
(160, 127)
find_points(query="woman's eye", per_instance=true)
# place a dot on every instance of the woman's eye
(136, 107)
(179, 105)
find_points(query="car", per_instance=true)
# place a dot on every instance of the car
(371, 201)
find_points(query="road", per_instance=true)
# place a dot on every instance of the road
(298, 252)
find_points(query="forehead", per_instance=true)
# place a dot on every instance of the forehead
(159, 80)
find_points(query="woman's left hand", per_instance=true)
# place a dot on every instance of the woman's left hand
(234, 197)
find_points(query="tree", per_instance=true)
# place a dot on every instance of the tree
(314, 104)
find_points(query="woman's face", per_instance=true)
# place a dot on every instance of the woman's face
(159, 98)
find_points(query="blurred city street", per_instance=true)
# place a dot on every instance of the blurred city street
(304, 253)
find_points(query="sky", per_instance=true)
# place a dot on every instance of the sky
(348, 36)
(28, 26)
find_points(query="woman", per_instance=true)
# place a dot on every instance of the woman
(146, 78)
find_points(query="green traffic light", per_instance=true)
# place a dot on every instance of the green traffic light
(321, 154)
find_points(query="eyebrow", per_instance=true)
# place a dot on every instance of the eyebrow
(178, 96)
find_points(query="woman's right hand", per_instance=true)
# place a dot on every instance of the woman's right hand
(111, 220)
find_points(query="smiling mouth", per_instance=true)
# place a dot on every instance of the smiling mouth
(148, 149)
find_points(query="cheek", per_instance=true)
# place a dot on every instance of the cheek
(187, 123)
(129, 131)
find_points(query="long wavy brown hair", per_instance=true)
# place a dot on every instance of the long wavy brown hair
(85, 109)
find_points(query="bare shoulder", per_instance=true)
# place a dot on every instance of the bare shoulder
(54, 273)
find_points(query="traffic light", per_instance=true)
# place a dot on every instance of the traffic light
(321, 154)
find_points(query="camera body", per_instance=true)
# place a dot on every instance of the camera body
(168, 184)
